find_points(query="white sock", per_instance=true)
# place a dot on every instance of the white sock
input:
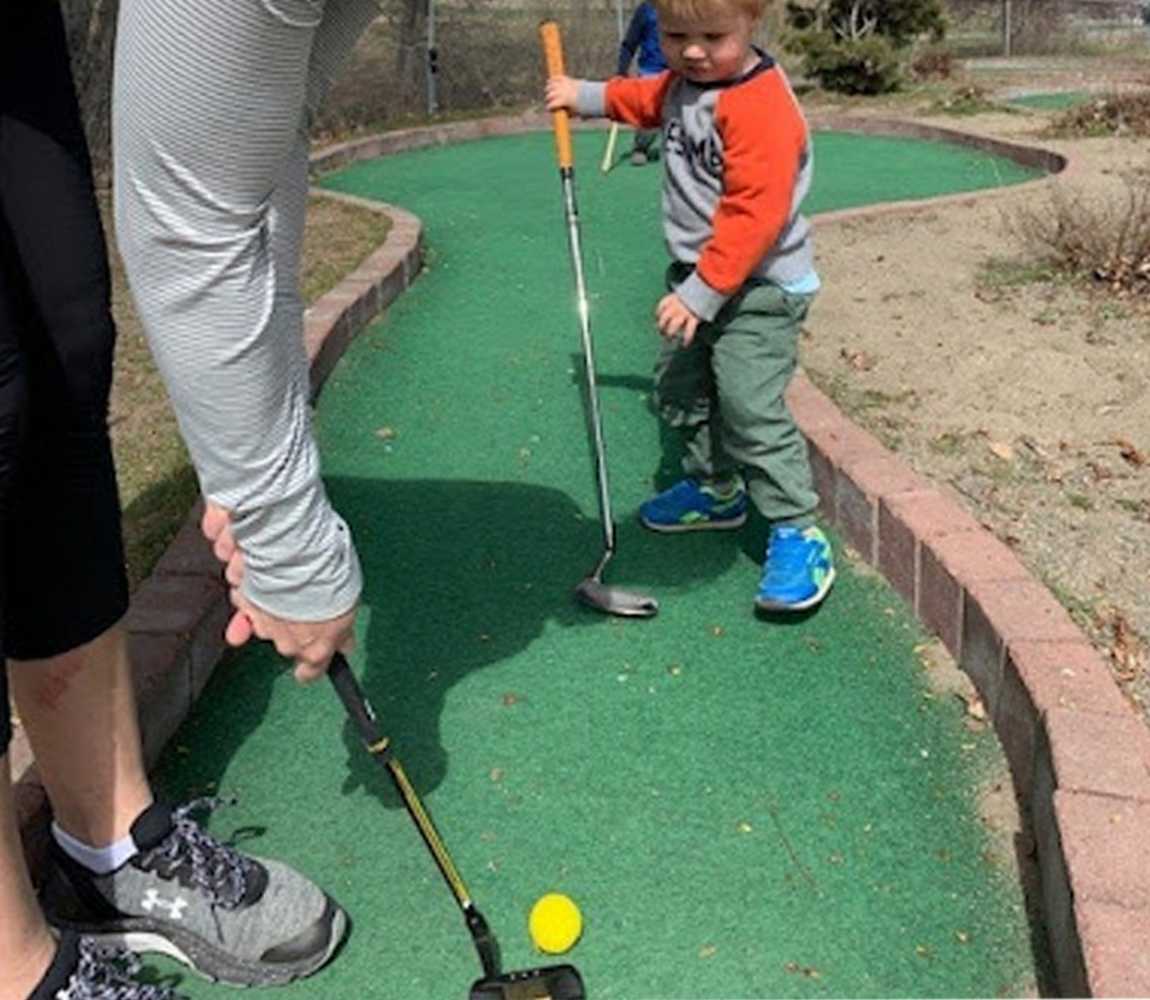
(99, 860)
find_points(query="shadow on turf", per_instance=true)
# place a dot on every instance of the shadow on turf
(461, 575)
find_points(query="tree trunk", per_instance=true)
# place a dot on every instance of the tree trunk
(411, 64)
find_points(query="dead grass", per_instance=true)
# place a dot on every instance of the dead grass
(157, 483)
(967, 99)
(1117, 114)
(1105, 239)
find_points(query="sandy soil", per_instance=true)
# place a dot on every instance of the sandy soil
(1027, 399)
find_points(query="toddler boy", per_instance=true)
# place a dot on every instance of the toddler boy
(737, 165)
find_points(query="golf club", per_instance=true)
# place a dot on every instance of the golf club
(552, 982)
(592, 591)
(609, 152)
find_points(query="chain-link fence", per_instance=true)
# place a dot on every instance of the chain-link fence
(462, 57)
(1038, 27)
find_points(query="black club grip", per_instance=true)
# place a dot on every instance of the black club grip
(354, 702)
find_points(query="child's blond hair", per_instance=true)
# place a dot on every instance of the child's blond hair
(698, 10)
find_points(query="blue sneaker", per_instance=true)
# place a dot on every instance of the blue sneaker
(798, 570)
(691, 506)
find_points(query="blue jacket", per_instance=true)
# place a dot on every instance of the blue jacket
(642, 34)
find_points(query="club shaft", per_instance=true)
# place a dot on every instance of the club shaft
(595, 418)
(362, 715)
(360, 711)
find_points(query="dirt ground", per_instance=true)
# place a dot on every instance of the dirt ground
(1027, 398)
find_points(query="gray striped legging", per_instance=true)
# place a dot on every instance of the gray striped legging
(211, 106)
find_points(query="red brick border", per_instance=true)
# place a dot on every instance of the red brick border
(1078, 754)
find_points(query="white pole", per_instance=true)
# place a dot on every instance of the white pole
(619, 18)
(1006, 28)
(432, 62)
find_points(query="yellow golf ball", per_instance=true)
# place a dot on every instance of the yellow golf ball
(555, 923)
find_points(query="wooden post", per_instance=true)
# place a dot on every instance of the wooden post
(432, 62)
(1006, 28)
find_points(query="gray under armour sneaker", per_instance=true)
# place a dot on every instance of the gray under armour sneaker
(84, 970)
(233, 918)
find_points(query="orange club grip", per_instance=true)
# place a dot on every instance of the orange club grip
(553, 52)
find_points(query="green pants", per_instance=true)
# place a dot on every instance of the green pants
(724, 397)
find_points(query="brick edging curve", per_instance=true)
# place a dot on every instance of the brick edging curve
(1079, 756)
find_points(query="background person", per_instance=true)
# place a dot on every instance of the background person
(642, 37)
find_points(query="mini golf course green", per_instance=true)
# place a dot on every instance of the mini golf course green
(1052, 101)
(742, 808)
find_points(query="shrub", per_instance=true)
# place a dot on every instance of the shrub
(854, 46)
(868, 66)
(933, 62)
(1106, 240)
(900, 21)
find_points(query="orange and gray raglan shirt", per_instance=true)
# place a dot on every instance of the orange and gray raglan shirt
(737, 167)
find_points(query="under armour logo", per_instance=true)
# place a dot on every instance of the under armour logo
(175, 907)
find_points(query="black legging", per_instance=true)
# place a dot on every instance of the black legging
(62, 577)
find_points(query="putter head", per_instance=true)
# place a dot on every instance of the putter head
(613, 601)
(551, 982)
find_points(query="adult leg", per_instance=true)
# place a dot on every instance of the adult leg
(79, 711)
(26, 945)
(57, 489)
(66, 585)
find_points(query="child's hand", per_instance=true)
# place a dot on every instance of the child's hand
(675, 319)
(562, 93)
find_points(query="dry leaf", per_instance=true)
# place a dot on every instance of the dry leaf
(975, 708)
(803, 970)
(1128, 651)
(1002, 450)
(1130, 453)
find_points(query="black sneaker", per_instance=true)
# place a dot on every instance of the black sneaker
(84, 970)
(232, 918)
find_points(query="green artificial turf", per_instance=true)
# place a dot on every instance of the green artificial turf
(1055, 101)
(741, 807)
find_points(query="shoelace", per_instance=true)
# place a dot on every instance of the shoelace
(220, 871)
(105, 973)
